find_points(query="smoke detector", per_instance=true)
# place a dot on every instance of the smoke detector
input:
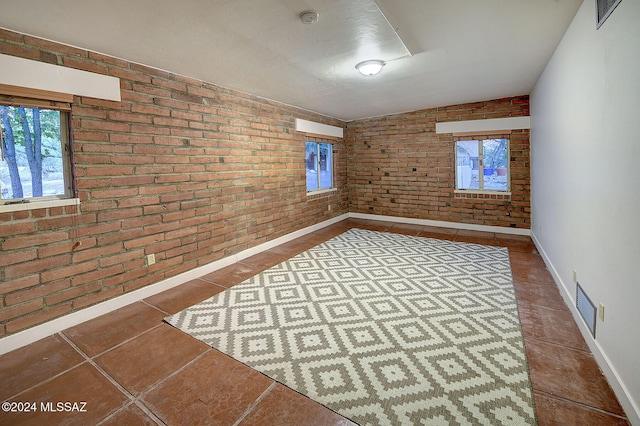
(309, 17)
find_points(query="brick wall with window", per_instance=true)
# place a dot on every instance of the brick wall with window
(182, 169)
(399, 166)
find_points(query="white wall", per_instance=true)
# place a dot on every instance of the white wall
(585, 172)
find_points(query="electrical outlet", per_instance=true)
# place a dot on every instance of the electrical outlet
(601, 312)
(151, 259)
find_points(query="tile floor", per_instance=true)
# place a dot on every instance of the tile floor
(131, 368)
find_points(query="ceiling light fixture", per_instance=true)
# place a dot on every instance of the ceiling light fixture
(309, 17)
(371, 67)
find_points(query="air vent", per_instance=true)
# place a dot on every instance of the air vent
(587, 309)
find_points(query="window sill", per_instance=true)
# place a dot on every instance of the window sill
(321, 191)
(41, 204)
(473, 191)
(487, 195)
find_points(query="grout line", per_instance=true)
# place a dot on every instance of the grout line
(49, 379)
(84, 355)
(125, 407)
(113, 381)
(97, 367)
(560, 345)
(124, 342)
(549, 308)
(179, 370)
(133, 399)
(148, 412)
(166, 313)
(580, 404)
(115, 413)
(209, 281)
(144, 301)
(533, 303)
(255, 403)
(541, 306)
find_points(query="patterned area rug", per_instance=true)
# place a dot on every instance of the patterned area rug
(382, 328)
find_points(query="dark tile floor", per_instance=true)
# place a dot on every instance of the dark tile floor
(131, 368)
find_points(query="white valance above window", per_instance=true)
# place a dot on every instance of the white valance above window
(31, 74)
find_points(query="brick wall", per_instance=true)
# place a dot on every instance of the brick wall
(185, 170)
(399, 166)
(192, 173)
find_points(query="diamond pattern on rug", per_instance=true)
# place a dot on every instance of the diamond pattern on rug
(382, 328)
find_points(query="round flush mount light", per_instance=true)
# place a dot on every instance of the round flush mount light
(371, 67)
(309, 17)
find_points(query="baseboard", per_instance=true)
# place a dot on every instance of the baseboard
(615, 381)
(443, 224)
(31, 335)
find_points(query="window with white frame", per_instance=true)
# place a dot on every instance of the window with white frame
(35, 161)
(319, 165)
(483, 165)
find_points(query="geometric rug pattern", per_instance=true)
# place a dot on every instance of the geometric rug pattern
(385, 329)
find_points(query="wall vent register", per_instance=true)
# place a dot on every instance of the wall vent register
(587, 309)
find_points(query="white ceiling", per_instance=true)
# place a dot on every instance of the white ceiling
(463, 50)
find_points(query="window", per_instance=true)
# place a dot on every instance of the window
(319, 165)
(36, 162)
(482, 165)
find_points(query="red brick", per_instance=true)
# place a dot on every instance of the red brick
(94, 298)
(144, 241)
(103, 125)
(97, 275)
(168, 83)
(22, 309)
(138, 201)
(90, 250)
(84, 65)
(12, 228)
(114, 193)
(56, 249)
(68, 271)
(120, 258)
(34, 240)
(109, 170)
(124, 278)
(35, 292)
(19, 283)
(37, 318)
(17, 257)
(71, 293)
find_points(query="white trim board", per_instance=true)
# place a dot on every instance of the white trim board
(55, 78)
(443, 224)
(41, 204)
(615, 381)
(488, 125)
(307, 126)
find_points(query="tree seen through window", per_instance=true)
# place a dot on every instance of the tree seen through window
(33, 153)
